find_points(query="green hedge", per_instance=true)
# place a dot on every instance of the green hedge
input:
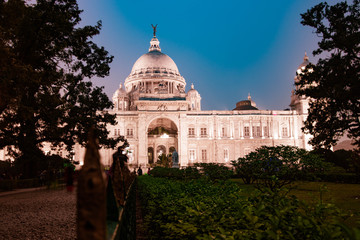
(175, 173)
(210, 171)
(199, 209)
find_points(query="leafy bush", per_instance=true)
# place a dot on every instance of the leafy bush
(164, 161)
(191, 173)
(275, 167)
(199, 209)
(210, 171)
(167, 172)
(214, 171)
(246, 169)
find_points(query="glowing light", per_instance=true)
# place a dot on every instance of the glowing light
(164, 136)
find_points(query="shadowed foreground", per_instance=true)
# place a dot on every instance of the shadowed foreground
(39, 214)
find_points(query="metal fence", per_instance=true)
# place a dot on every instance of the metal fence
(104, 211)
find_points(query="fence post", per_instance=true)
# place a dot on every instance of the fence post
(91, 195)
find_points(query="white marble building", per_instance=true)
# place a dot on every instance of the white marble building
(156, 115)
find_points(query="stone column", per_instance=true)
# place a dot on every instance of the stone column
(241, 129)
(251, 129)
(182, 140)
(231, 129)
(142, 140)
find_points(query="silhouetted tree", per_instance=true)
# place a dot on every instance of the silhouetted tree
(45, 59)
(333, 84)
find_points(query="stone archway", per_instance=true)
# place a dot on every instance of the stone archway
(162, 135)
(160, 149)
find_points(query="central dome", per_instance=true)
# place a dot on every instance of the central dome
(155, 75)
(154, 59)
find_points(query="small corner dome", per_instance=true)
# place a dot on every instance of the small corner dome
(303, 64)
(192, 91)
(120, 92)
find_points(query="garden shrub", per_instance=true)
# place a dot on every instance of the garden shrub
(200, 209)
(210, 171)
(167, 172)
(275, 167)
(214, 171)
(245, 169)
(191, 173)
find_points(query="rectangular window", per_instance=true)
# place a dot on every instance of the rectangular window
(203, 154)
(191, 132)
(117, 132)
(266, 131)
(247, 131)
(285, 132)
(192, 155)
(223, 132)
(256, 131)
(129, 132)
(203, 132)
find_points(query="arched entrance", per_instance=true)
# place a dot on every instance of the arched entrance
(160, 150)
(162, 138)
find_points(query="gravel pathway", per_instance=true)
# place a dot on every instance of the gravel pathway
(39, 214)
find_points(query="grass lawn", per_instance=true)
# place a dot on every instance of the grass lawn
(345, 196)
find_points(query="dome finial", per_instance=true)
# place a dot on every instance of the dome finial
(120, 86)
(154, 28)
(154, 43)
(306, 58)
(192, 86)
(249, 97)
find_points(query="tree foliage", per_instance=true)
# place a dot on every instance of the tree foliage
(275, 167)
(333, 84)
(45, 59)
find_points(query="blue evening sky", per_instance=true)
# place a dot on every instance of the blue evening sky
(226, 48)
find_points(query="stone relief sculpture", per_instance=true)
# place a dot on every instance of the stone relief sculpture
(180, 88)
(162, 85)
(142, 89)
(162, 107)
